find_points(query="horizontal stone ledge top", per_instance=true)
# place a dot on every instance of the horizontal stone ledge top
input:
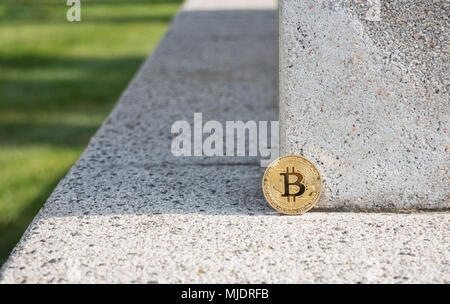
(218, 63)
(317, 247)
(363, 95)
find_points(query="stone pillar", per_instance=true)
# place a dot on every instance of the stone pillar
(364, 95)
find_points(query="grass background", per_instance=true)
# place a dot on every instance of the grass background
(58, 82)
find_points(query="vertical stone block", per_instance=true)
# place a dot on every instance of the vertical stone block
(364, 95)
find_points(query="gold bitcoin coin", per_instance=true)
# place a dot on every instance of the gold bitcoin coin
(292, 184)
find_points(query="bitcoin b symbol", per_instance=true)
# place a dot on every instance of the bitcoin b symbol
(297, 182)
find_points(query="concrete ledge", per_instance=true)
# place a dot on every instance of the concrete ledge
(128, 211)
(318, 247)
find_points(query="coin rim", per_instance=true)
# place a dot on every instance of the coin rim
(277, 160)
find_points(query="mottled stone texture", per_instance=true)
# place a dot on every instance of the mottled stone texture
(364, 95)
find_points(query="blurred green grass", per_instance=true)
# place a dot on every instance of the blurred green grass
(58, 82)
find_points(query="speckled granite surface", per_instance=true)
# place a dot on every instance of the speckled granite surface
(364, 94)
(128, 211)
(197, 247)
